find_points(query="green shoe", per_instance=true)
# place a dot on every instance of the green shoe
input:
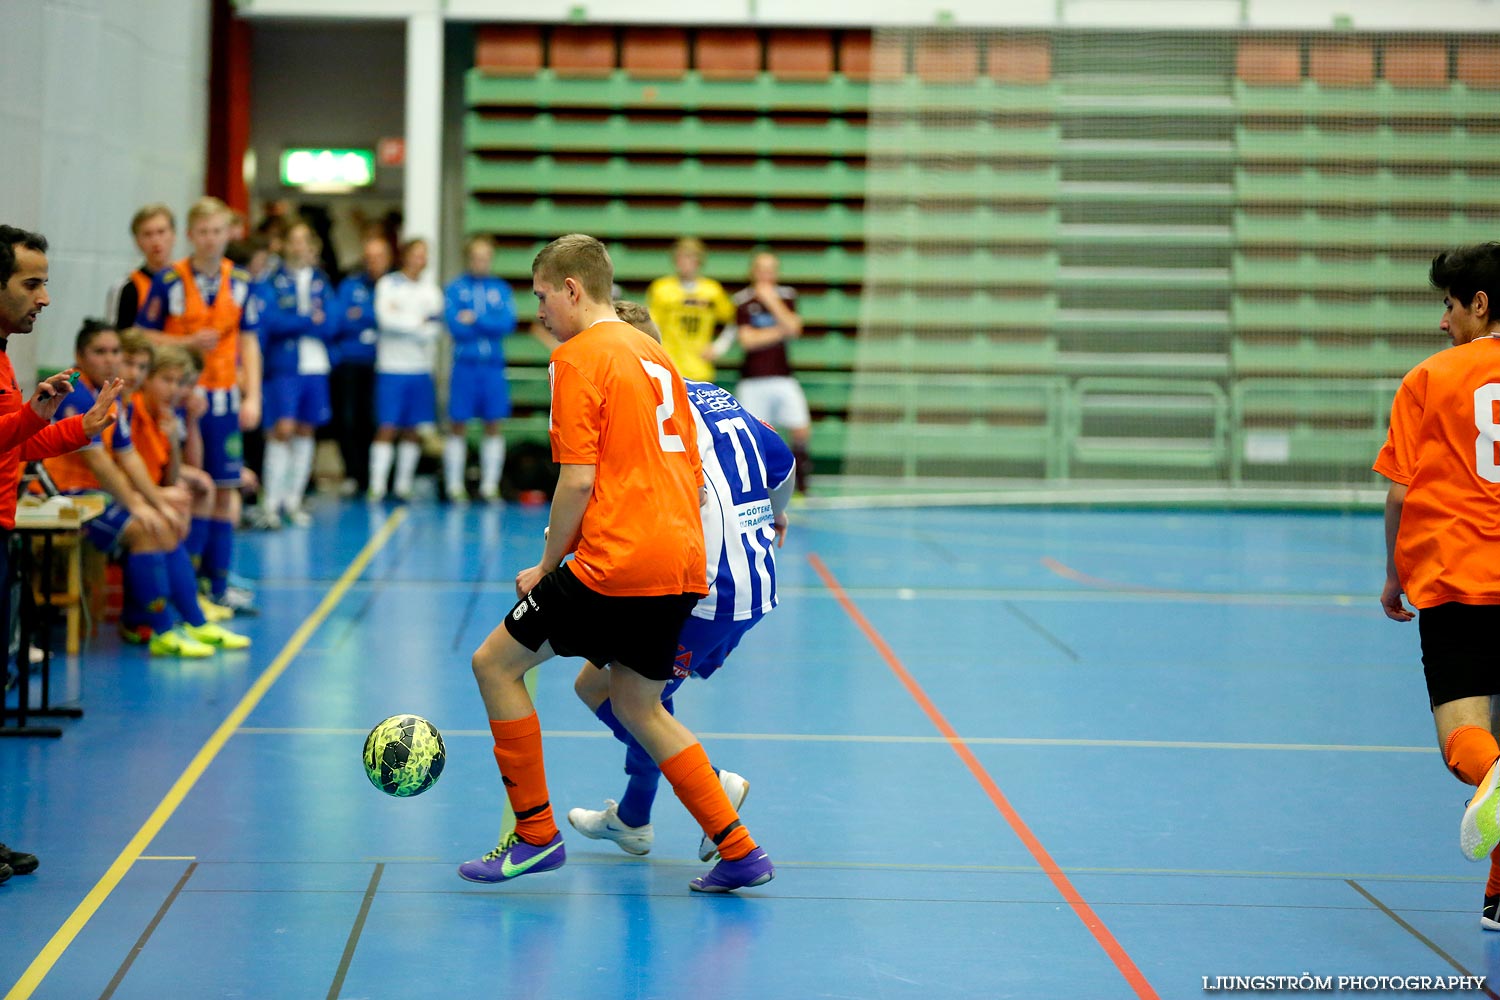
(213, 634)
(177, 643)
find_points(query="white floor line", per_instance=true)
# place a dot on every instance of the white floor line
(1008, 741)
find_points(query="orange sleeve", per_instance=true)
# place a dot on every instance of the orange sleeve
(1398, 457)
(577, 416)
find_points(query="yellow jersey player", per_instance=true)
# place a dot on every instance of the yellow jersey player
(688, 310)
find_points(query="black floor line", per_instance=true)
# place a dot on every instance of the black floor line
(1036, 627)
(355, 932)
(1417, 934)
(140, 944)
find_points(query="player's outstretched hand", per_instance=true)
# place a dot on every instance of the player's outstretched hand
(50, 394)
(1390, 602)
(527, 579)
(101, 414)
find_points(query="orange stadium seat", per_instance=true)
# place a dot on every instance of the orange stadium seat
(1479, 65)
(1343, 62)
(854, 54)
(800, 55)
(1019, 59)
(1411, 63)
(582, 51)
(947, 57)
(508, 50)
(1269, 62)
(861, 58)
(728, 53)
(660, 53)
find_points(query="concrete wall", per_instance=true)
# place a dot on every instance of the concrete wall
(105, 109)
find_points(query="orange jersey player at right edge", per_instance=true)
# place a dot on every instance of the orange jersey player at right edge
(627, 507)
(1442, 528)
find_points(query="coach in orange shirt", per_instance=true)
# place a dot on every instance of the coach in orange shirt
(627, 507)
(1442, 519)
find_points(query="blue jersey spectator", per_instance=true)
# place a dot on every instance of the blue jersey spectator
(353, 382)
(298, 322)
(480, 311)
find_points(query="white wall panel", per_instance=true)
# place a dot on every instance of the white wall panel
(105, 110)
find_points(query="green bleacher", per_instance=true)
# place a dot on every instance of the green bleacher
(1052, 255)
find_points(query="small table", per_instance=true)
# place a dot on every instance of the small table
(46, 525)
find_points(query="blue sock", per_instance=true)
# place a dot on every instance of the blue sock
(640, 791)
(197, 537)
(183, 584)
(217, 553)
(146, 590)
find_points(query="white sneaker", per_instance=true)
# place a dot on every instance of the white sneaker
(605, 824)
(736, 788)
(297, 517)
(264, 519)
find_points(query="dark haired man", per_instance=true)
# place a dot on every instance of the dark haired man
(25, 434)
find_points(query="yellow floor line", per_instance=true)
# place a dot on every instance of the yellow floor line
(53, 950)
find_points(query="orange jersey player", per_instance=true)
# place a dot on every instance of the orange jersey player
(1442, 517)
(627, 506)
(203, 301)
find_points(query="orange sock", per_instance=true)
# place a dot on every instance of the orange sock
(1492, 887)
(1470, 752)
(693, 779)
(518, 751)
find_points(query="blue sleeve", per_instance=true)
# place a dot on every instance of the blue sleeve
(343, 326)
(498, 322)
(120, 439)
(152, 313)
(277, 322)
(778, 457)
(251, 312)
(75, 404)
(328, 330)
(453, 305)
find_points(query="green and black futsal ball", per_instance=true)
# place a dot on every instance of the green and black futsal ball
(404, 755)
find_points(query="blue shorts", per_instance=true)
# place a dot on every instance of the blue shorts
(478, 390)
(303, 398)
(104, 532)
(703, 646)
(223, 448)
(404, 400)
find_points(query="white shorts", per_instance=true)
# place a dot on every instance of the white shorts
(776, 399)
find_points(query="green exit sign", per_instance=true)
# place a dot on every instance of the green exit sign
(328, 169)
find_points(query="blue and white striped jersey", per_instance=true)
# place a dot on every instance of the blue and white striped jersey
(743, 460)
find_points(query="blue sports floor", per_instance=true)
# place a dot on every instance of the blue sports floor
(994, 753)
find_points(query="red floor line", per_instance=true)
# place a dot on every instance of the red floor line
(1069, 573)
(1064, 886)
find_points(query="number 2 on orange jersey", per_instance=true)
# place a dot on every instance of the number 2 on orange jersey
(663, 378)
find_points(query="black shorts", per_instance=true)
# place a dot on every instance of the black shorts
(636, 632)
(1458, 651)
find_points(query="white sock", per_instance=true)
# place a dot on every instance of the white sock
(491, 462)
(408, 454)
(300, 474)
(455, 455)
(273, 475)
(382, 453)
